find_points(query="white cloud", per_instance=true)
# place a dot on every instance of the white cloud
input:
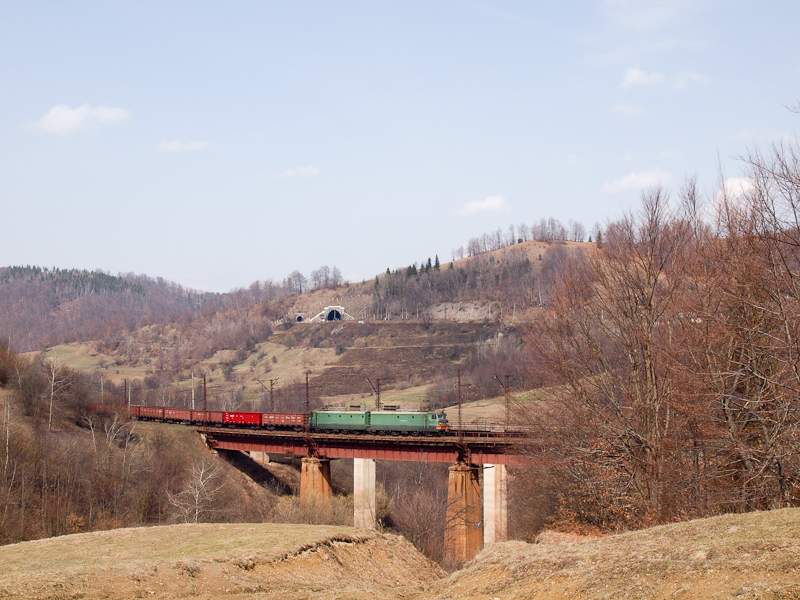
(681, 81)
(629, 111)
(636, 77)
(637, 181)
(735, 188)
(732, 197)
(179, 146)
(63, 120)
(489, 204)
(308, 171)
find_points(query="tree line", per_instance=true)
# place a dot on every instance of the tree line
(672, 357)
(545, 230)
(511, 282)
(67, 469)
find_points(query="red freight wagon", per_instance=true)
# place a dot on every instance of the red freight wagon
(177, 414)
(208, 416)
(150, 412)
(239, 418)
(297, 420)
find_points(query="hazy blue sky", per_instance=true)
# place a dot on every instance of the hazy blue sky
(219, 143)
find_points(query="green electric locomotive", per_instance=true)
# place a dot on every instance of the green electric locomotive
(391, 421)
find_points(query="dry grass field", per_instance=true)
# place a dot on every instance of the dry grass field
(254, 561)
(749, 556)
(753, 556)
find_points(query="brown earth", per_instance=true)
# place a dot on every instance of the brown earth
(748, 556)
(201, 561)
(738, 557)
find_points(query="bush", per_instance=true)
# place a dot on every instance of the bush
(316, 510)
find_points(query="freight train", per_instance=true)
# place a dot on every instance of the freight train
(334, 420)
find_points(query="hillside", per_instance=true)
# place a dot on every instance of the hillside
(745, 556)
(413, 328)
(40, 307)
(407, 357)
(262, 561)
(749, 556)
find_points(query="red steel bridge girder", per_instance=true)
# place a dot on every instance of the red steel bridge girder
(449, 449)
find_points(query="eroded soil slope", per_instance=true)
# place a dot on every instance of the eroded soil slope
(253, 561)
(737, 557)
(749, 556)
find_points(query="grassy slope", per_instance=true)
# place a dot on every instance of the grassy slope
(748, 556)
(291, 364)
(129, 548)
(755, 555)
(408, 351)
(216, 561)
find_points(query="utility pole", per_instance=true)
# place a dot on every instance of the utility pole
(272, 383)
(507, 392)
(308, 398)
(377, 391)
(307, 418)
(270, 390)
(460, 428)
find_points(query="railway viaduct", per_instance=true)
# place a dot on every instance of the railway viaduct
(475, 518)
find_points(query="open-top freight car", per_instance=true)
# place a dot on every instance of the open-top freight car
(177, 415)
(295, 421)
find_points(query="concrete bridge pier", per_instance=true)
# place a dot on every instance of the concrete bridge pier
(364, 493)
(463, 537)
(495, 504)
(315, 477)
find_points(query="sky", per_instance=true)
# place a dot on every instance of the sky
(215, 144)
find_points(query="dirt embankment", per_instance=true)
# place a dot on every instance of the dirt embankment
(742, 557)
(738, 557)
(256, 561)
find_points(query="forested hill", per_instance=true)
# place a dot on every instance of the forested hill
(71, 283)
(41, 307)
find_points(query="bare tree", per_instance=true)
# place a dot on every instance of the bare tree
(745, 323)
(336, 277)
(295, 282)
(604, 344)
(511, 238)
(58, 382)
(577, 232)
(196, 501)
